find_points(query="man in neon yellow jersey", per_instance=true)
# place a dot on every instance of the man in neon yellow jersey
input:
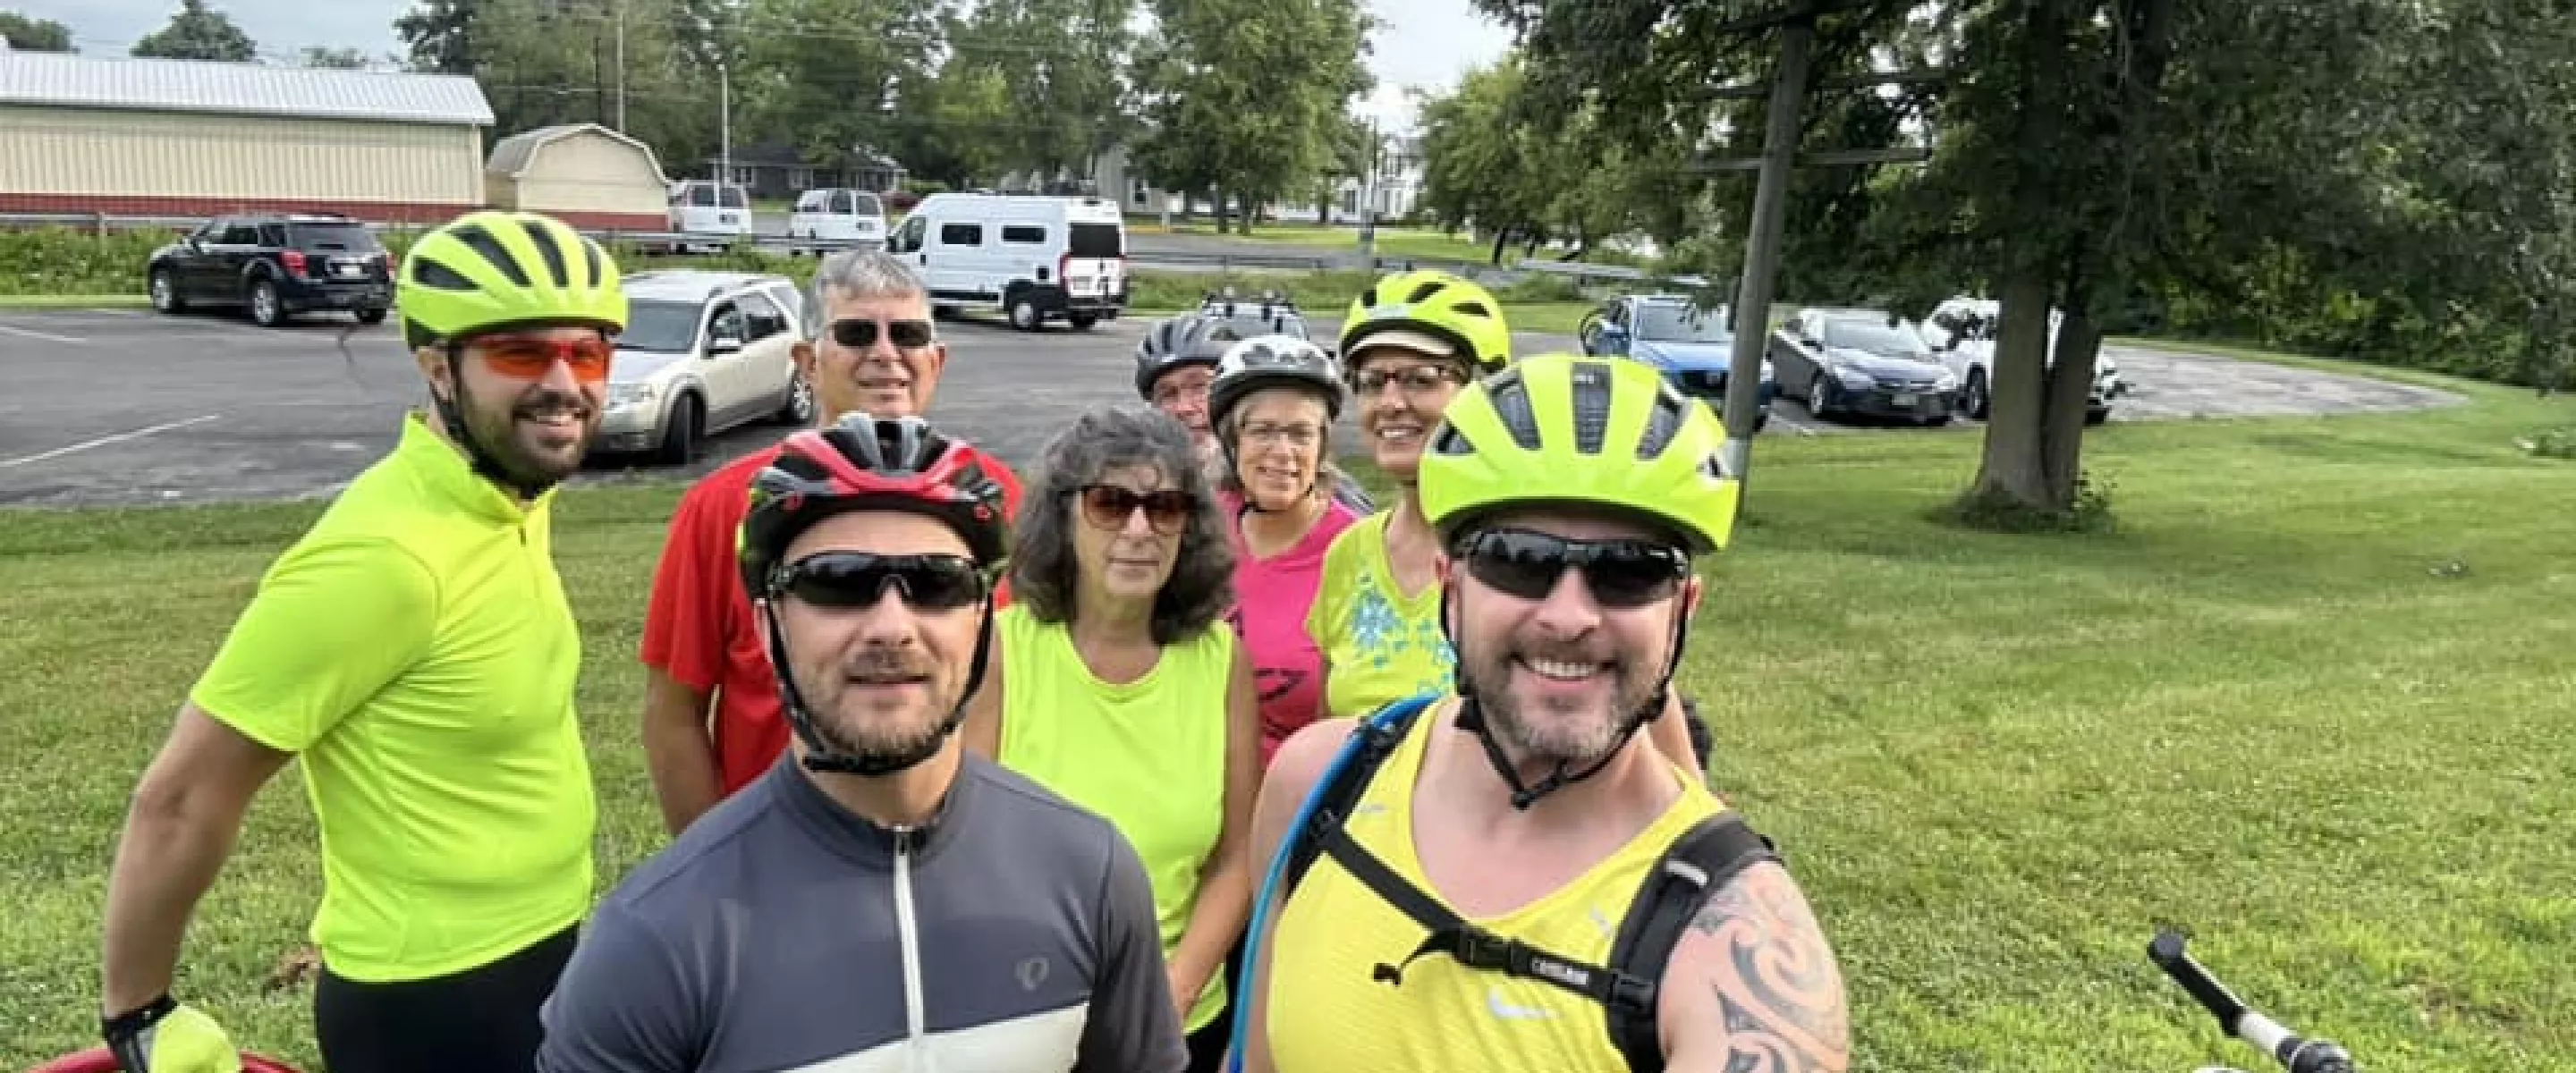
(416, 652)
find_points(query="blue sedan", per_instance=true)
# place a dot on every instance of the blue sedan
(1693, 348)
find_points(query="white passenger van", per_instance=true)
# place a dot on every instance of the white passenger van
(832, 218)
(705, 207)
(1035, 257)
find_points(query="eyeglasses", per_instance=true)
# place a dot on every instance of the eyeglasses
(859, 333)
(843, 580)
(1108, 506)
(1621, 574)
(531, 357)
(1417, 380)
(1293, 435)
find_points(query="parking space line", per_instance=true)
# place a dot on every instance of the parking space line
(103, 441)
(46, 336)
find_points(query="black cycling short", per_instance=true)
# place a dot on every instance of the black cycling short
(480, 1019)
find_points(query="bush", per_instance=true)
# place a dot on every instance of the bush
(2550, 443)
(60, 260)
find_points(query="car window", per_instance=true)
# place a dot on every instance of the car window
(961, 234)
(1028, 233)
(241, 235)
(1095, 240)
(335, 237)
(908, 237)
(272, 234)
(1664, 322)
(702, 195)
(761, 317)
(1874, 337)
(727, 321)
(789, 300)
(660, 327)
(866, 204)
(735, 198)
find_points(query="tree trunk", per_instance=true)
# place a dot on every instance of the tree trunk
(2070, 388)
(1501, 236)
(2014, 472)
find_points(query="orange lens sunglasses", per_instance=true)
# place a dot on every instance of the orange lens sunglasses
(522, 357)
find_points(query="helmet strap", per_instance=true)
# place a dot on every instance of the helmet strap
(1471, 718)
(451, 413)
(822, 757)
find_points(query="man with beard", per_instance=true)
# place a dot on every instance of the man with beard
(415, 651)
(879, 898)
(1583, 879)
(712, 719)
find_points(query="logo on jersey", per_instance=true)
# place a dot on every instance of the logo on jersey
(1505, 1009)
(1032, 972)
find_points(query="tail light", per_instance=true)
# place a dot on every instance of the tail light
(294, 261)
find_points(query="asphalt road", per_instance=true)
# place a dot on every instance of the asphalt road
(130, 406)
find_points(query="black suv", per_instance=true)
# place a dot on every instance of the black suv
(277, 265)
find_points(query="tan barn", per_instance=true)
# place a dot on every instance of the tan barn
(149, 137)
(583, 173)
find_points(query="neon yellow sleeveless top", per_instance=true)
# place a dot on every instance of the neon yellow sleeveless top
(1147, 755)
(1380, 645)
(1325, 1012)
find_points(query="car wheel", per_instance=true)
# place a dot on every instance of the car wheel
(1082, 322)
(371, 316)
(165, 293)
(680, 436)
(2095, 417)
(799, 410)
(1025, 315)
(1820, 396)
(1973, 398)
(264, 305)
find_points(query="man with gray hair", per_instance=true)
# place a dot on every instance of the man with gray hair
(713, 720)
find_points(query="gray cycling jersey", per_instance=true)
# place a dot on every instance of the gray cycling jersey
(781, 932)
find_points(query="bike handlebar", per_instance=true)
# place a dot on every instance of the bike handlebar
(2296, 1054)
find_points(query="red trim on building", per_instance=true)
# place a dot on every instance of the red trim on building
(423, 213)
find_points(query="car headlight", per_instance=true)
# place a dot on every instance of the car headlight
(623, 396)
(1947, 381)
(1853, 378)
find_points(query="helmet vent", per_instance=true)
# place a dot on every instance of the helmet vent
(553, 256)
(1423, 291)
(1475, 308)
(1450, 441)
(1591, 390)
(1662, 424)
(431, 272)
(590, 256)
(475, 238)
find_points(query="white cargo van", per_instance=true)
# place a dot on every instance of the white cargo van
(837, 217)
(706, 207)
(1035, 257)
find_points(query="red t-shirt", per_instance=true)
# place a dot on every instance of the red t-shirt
(699, 629)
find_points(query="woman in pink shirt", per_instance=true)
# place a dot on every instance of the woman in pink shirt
(1272, 406)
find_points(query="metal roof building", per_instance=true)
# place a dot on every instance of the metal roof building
(150, 137)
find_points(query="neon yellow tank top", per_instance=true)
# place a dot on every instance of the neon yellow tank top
(1147, 755)
(1380, 645)
(1327, 1015)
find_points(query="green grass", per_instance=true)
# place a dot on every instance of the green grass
(75, 301)
(2309, 700)
(1423, 243)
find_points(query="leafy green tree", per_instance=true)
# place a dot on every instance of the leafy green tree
(25, 34)
(1244, 98)
(198, 32)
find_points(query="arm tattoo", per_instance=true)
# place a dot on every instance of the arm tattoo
(1775, 977)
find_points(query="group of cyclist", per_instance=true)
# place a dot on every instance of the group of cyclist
(1190, 756)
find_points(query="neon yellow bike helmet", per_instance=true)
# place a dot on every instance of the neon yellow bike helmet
(493, 270)
(1447, 308)
(1562, 429)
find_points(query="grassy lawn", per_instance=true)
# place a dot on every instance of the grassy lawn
(1391, 241)
(75, 301)
(2309, 701)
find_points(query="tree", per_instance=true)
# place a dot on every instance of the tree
(1519, 164)
(1244, 97)
(198, 32)
(24, 34)
(829, 76)
(347, 59)
(1061, 63)
(440, 34)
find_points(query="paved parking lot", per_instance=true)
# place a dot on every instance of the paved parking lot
(129, 406)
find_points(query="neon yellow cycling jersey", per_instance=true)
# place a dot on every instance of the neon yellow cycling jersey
(416, 650)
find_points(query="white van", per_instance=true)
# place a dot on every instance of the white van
(706, 207)
(1035, 257)
(838, 217)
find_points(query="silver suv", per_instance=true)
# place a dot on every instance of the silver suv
(703, 352)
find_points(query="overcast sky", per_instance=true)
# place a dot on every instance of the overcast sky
(1425, 42)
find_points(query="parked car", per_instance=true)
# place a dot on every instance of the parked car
(837, 217)
(1037, 257)
(719, 211)
(703, 352)
(276, 265)
(1272, 313)
(1962, 334)
(1863, 362)
(1694, 348)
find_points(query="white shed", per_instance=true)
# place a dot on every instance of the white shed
(584, 174)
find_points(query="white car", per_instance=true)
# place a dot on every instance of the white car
(1962, 334)
(832, 218)
(703, 352)
(1038, 257)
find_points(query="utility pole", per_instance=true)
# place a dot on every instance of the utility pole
(724, 125)
(1368, 197)
(1753, 292)
(621, 67)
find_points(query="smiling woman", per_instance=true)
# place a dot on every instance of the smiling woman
(1119, 685)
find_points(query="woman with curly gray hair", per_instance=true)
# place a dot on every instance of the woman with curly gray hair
(1119, 685)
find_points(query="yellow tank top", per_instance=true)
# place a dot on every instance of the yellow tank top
(1147, 755)
(1326, 1014)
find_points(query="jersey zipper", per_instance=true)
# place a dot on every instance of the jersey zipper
(912, 992)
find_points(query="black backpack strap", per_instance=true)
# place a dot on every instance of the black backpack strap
(1373, 740)
(1697, 864)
